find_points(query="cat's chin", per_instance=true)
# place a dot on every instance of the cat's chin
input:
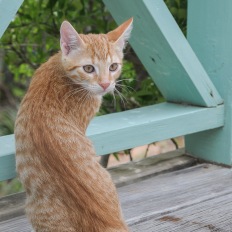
(101, 93)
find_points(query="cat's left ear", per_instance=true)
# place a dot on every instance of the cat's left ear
(121, 34)
(69, 38)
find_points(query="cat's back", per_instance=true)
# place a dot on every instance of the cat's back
(39, 96)
(34, 110)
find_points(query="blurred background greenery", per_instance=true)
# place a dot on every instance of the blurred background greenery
(33, 36)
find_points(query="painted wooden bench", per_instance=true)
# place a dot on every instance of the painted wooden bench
(193, 75)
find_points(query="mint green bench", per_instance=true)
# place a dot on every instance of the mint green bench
(194, 76)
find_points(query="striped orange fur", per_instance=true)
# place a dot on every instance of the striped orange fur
(67, 189)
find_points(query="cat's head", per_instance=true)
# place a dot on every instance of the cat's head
(94, 61)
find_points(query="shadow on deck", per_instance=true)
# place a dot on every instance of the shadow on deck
(169, 192)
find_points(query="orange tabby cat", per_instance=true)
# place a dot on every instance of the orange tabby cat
(67, 190)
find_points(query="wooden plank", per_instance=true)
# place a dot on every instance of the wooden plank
(165, 53)
(212, 215)
(173, 191)
(210, 35)
(133, 172)
(13, 205)
(204, 191)
(7, 13)
(18, 224)
(128, 129)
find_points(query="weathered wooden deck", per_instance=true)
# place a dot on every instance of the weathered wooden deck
(170, 192)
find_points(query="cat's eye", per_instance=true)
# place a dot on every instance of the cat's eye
(113, 67)
(89, 68)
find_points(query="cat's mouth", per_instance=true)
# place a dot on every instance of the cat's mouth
(100, 89)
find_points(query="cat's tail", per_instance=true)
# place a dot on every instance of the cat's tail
(96, 204)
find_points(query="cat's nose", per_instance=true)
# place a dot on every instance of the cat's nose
(104, 85)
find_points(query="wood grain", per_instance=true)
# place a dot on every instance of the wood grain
(133, 172)
(173, 191)
(12, 206)
(212, 215)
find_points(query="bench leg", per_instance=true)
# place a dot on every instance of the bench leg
(210, 35)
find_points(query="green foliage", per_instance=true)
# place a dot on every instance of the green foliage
(7, 117)
(178, 8)
(10, 187)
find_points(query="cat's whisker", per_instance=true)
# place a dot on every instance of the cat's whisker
(128, 89)
(73, 92)
(126, 79)
(88, 98)
(125, 90)
(82, 97)
(125, 86)
(77, 88)
(120, 94)
(68, 86)
(123, 99)
(75, 85)
(82, 100)
(114, 99)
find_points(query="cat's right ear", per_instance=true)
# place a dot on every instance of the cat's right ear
(69, 38)
(121, 34)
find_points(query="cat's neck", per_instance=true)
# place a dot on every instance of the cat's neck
(60, 94)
